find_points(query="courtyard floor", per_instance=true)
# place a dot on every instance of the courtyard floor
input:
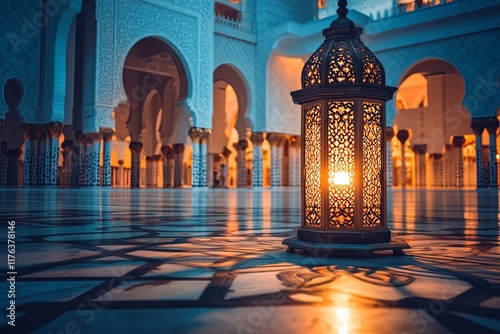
(211, 261)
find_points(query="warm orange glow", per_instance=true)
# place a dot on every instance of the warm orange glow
(343, 314)
(341, 179)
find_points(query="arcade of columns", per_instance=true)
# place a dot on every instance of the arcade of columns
(447, 167)
(81, 165)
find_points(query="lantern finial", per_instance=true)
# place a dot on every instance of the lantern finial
(341, 26)
(342, 11)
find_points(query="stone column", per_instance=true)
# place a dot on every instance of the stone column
(36, 159)
(241, 147)
(257, 139)
(403, 136)
(69, 162)
(96, 168)
(295, 170)
(29, 144)
(195, 134)
(121, 176)
(276, 158)
(107, 136)
(448, 165)
(55, 130)
(156, 168)
(81, 147)
(491, 127)
(478, 127)
(204, 170)
(3, 147)
(149, 171)
(46, 160)
(224, 170)
(420, 164)
(178, 167)
(437, 168)
(12, 166)
(89, 159)
(40, 158)
(458, 143)
(135, 170)
(168, 166)
(389, 134)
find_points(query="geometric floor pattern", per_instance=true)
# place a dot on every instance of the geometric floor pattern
(211, 261)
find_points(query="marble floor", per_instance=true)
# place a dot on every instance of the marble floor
(211, 261)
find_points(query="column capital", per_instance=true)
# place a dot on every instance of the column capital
(157, 157)
(403, 136)
(178, 148)
(492, 125)
(31, 131)
(107, 133)
(479, 124)
(226, 152)
(205, 135)
(241, 145)
(92, 137)
(54, 129)
(135, 146)
(458, 141)
(195, 134)
(168, 152)
(389, 133)
(275, 139)
(257, 138)
(436, 156)
(419, 148)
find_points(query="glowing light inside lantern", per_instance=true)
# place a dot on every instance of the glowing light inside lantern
(341, 178)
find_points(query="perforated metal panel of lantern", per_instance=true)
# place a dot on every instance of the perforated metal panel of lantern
(343, 100)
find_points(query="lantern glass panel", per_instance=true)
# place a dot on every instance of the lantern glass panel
(312, 75)
(341, 67)
(312, 160)
(341, 164)
(372, 70)
(372, 164)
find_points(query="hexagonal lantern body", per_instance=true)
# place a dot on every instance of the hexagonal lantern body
(343, 100)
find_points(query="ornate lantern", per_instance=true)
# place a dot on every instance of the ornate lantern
(343, 100)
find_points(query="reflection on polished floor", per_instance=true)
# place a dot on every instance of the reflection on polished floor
(211, 261)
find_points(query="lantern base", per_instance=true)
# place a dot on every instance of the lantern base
(345, 237)
(317, 249)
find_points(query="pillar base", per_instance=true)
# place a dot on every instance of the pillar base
(316, 249)
(345, 237)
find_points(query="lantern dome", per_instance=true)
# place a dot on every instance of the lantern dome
(343, 59)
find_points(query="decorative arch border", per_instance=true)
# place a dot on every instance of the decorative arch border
(59, 75)
(179, 60)
(407, 71)
(240, 85)
(186, 24)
